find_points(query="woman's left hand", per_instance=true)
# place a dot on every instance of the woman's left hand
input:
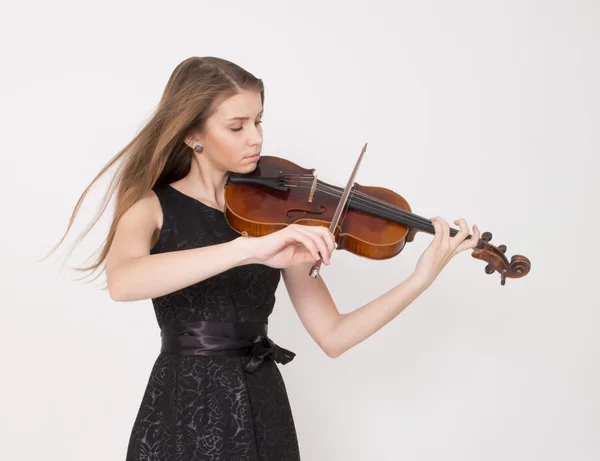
(443, 248)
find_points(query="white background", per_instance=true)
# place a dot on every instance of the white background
(480, 109)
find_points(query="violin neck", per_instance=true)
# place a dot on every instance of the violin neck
(377, 208)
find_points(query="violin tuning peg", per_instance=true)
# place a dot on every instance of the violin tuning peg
(502, 248)
(503, 280)
(486, 236)
(490, 269)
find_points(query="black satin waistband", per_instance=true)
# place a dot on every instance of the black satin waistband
(224, 339)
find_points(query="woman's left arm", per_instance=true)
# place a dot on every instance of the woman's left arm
(334, 332)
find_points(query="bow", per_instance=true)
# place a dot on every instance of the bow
(264, 347)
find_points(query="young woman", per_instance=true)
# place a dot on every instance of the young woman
(215, 391)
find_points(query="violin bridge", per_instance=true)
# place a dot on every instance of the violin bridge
(313, 188)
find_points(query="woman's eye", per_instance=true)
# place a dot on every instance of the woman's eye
(240, 128)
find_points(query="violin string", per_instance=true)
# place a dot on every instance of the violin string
(391, 211)
(358, 193)
(371, 199)
(382, 205)
(374, 200)
(408, 218)
(388, 210)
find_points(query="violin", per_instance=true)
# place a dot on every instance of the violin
(375, 223)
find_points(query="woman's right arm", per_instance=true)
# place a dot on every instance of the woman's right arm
(133, 273)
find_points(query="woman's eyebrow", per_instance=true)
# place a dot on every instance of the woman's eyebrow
(243, 118)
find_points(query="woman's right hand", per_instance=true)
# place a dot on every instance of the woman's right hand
(294, 244)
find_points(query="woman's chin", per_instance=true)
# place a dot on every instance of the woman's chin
(245, 167)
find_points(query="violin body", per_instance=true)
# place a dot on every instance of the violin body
(376, 222)
(255, 211)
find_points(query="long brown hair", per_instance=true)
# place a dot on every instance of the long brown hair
(158, 154)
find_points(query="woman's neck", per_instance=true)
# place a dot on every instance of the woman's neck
(206, 182)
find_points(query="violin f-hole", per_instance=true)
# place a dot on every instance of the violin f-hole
(304, 212)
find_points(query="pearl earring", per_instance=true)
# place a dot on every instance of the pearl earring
(198, 148)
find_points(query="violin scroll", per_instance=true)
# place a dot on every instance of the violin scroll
(519, 265)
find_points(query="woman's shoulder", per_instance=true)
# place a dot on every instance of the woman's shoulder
(148, 208)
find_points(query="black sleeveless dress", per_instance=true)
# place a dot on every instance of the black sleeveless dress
(212, 407)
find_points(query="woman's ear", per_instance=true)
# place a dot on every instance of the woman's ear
(193, 140)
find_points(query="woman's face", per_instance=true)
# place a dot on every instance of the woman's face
(233, 136)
